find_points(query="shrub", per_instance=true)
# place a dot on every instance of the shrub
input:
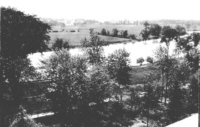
(140, 60)
(149, 59)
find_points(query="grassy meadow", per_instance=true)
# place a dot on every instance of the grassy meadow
(82, 32)
(76, 37)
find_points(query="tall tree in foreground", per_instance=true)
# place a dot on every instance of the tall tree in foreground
(189, 47)
(21, 35)
(119, 68)
(168, 34)
(78, 92)
(150, 99)
(162, 64)
(68, 77)
(193, 96)
(175, 109)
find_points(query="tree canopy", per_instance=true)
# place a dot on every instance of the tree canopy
(21, 33)
(155, 30)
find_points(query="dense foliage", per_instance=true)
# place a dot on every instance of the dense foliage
(21, 35)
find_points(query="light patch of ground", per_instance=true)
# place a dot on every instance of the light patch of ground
(136, 50)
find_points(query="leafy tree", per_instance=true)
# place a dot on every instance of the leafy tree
(93, 48)
(150, 100)
(165, 65)
(134, 98)
(59, 44)
(121, 33)
(103, 32)
(21, 35)
(78, 92)
(176, 102)
(108, 33)
(167, 35)
(189, 47)
(181, 30)
(65, 72)
(160, 55)
(146, 24)
(117, 116)
(118, 67)
(132, 36)
(145, 33)
(149, 59)
(193, 96)
(155, 30)
(140, 60)
(178, 77)
(125, 34)
(115, 32)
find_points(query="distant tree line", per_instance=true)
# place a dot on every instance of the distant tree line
(188, 24)
(117, 33)
(155, 31)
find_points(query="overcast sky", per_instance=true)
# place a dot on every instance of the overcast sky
(109, 9)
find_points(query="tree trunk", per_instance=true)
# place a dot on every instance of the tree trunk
(121, 93)
(148, 117)
(163, 86)
(166, 93)
(167, 73)
(121, 96)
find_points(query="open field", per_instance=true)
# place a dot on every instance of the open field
(76, 37)
(132, 29)
(81, 32)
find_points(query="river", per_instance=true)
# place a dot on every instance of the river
(136, 50)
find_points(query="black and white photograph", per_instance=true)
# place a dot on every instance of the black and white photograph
(99, 63)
